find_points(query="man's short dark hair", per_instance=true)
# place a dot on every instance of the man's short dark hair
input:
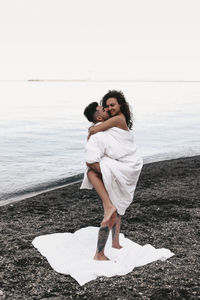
(90, 111)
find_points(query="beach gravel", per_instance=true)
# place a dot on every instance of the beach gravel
(165, 213)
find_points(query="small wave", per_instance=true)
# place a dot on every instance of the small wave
(37, 189)
(187, 152)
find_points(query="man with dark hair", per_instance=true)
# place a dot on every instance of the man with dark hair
(90, 111)
(95, 113)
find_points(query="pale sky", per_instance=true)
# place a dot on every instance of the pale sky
(107, 39)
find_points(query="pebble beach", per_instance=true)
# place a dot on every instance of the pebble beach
(165, 213)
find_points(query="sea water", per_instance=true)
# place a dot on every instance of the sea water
(43, 130)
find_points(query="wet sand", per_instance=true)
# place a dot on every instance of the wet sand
(165, 213)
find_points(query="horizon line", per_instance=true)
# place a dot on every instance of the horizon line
(101, 80)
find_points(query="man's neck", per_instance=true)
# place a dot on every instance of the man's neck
(98, 123)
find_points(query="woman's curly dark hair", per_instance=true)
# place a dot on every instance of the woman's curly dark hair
(125, 109)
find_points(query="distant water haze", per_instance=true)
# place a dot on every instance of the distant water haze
(43, 130)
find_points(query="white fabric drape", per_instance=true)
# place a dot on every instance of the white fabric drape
(72, 254)
(120, 165)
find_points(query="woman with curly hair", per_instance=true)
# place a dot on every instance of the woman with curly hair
(118, 108)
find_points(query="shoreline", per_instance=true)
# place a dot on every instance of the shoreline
(50, 186)
(34, 194)
(164, 213)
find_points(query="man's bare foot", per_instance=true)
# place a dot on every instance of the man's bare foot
(100, 256)
(117, 246)
(107, 215)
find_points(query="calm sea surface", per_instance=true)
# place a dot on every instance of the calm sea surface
(43, 130)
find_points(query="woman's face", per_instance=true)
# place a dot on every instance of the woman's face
(113, 106)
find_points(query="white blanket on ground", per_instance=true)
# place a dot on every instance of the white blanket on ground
(120, 165)
(72, 254)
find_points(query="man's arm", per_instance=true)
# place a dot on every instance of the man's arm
(95, 148)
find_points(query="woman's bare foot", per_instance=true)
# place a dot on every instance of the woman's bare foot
(100, 256)
(108, 214)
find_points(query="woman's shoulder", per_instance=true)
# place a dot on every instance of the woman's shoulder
(120, 121)
(119, 118)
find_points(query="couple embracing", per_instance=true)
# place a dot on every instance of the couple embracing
(113, 164)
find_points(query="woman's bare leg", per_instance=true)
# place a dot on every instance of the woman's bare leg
(97, 183)
(116, 232)
(95, 167)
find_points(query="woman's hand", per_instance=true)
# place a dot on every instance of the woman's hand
(92, 130)
(88, 137)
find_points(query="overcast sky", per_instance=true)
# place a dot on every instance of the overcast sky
(107, 39)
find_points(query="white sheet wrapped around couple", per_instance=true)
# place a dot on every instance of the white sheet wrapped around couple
(120, 165)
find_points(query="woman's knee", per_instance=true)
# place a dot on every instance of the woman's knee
(90, 165)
